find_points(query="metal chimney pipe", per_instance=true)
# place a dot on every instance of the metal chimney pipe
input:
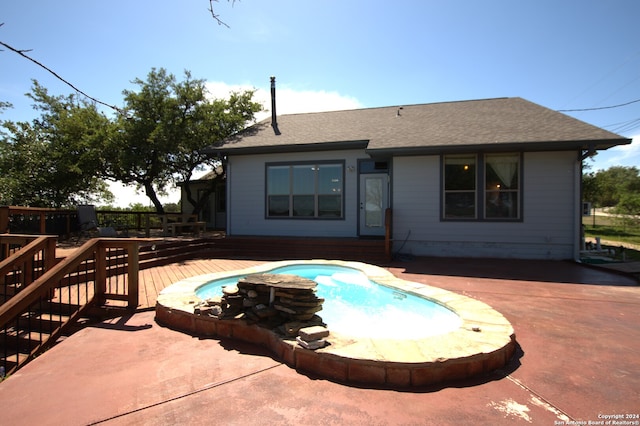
(274, 121)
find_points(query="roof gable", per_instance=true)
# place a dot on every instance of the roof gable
(501, 123)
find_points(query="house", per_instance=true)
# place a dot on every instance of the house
(479, 178)
(212, 187)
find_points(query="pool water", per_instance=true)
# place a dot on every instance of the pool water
(359, 307)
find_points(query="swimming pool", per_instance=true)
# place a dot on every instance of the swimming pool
(483, 341)
(356, 306)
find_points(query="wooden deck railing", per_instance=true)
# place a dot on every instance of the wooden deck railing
(24, 258)
(42, 221)
(102, 270)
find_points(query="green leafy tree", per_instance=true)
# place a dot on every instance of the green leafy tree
(629, 204)
(607, 187)
(53, 161)
(165, 125)
(590, 188)
(211, 122)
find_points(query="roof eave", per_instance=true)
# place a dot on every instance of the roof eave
(496, 147)
(274, 149)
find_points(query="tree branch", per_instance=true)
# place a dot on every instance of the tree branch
(22, 53)
(215, 16)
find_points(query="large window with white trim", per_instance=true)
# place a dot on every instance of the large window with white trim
(481, 187)
(305, 190)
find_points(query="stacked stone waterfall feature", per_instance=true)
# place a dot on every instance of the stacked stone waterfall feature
(283, 302)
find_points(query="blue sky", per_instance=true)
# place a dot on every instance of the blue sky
(570, 54)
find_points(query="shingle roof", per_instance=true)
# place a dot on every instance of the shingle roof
(490, 124)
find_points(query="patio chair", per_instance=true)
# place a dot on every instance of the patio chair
(89, 221)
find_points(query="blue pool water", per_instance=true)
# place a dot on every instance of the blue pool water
(356, 306)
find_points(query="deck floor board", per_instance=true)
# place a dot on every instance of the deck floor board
(153, 280)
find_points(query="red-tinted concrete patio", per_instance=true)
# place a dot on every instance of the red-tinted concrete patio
(578, 329)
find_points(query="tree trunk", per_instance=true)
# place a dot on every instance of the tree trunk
(187, 192)
(204, 198)
(199, 204)
(151, 193)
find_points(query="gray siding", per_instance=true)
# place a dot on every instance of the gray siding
(548, 228)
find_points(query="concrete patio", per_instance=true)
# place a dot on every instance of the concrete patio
(578, 330)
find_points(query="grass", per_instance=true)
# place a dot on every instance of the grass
(616, 232)
(612, 234)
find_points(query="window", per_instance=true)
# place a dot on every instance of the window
(305, 190)
(501, 186)
(498, 198)
(460, 187)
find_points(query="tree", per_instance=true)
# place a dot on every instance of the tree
(165, 125)
(605, 188)
(213, 121)
(608, 188)
(52, 161)
(590, 188)
(629, 204)
(214, 15)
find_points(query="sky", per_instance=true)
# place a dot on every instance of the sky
(338, 54)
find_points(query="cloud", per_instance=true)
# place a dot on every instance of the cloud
(621, 155)
(288, 100)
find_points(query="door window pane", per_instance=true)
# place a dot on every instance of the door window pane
(373, 208)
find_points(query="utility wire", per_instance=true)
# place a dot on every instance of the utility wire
(598, 108)
(21, 53)
(626, 126)
(612, 71)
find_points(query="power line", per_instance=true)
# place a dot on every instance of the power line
(599, 108)
(626, 126)
(24, 55)
(612, 71)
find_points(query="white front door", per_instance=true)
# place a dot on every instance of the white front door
(374, 190)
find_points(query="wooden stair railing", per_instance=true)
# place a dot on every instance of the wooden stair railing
(103, 269)
(24, 258)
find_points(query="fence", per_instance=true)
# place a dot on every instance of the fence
(64, 223)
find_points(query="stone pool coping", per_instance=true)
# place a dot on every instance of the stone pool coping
(484, 342)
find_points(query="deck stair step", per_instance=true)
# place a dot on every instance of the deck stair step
(159, 254)
(22, 338)
(365, 250)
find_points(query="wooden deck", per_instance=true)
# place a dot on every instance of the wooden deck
(153, 280)
(232, 252)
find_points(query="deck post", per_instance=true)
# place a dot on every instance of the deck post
(101, 274)
(133, 269)
(43, 222)
(4, 219)
(388, 220)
